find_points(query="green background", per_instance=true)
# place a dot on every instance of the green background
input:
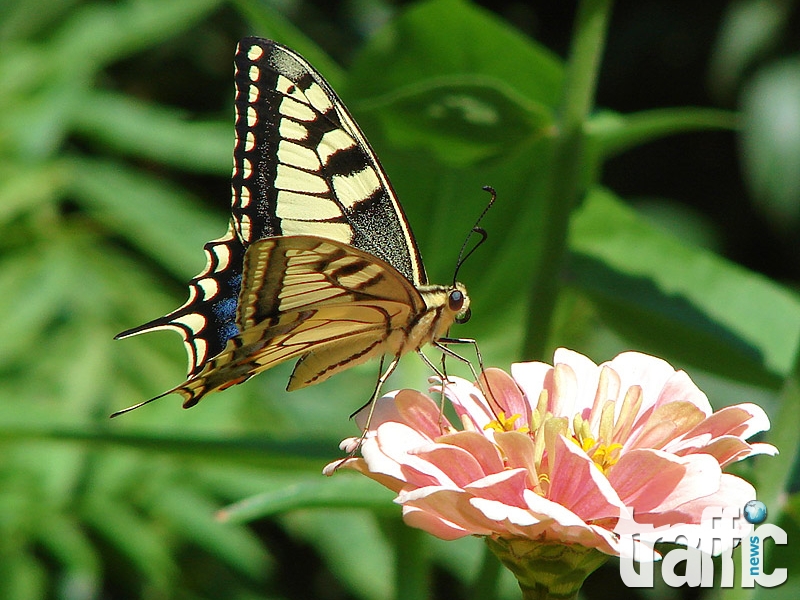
(648, 199)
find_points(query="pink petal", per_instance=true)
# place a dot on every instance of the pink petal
(519, 452)
(731, 491)
(680, 388)
(385, 410)
(452, 506)
(506, 396)
(359, 464)
(644, 478)
(564, 391)
(477, 445)
(530, 377)
(742, 420)
(468, 402)
(420, 413)
(506, 487)
(664, 424)
(648, 372)
(577, 484)
(664, 480)
(388, 454)
(503, 513)
(587, 377)
(441, 528)
(459, 465)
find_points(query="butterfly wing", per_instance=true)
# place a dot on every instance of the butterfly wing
(303, 167)
(207, 320)
(327, 303)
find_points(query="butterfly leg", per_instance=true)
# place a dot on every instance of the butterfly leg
(442, 343)
(442, 375)
(371, 403)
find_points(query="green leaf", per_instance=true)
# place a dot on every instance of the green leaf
(448, 38)
(611, 133)
(341, 491)
(447, 83)
(680, 301)
(140, 540)
(748, 30)
(156, 133)
(460, 120)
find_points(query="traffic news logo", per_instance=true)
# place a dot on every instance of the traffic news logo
(720, 530)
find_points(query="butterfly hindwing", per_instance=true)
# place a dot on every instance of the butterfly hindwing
(331, 305)
(207, 320)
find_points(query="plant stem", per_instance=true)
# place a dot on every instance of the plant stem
(569, 168)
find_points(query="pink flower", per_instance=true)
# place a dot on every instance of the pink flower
(555, 453)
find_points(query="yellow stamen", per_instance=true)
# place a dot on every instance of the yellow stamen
(606, 457)
(506, 424)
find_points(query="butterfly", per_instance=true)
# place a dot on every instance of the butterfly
(319, 263)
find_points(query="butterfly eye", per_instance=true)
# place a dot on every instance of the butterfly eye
(464, 317)
(456, 300)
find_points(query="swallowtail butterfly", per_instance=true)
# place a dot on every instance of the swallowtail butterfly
(319, 263)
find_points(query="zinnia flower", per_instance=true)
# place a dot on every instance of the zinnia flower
(553, 454)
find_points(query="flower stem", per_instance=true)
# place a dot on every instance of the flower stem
(570, 172)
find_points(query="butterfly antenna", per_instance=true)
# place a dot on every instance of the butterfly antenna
(475, 229)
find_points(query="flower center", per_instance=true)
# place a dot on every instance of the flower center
(604, 456)
(503, 423)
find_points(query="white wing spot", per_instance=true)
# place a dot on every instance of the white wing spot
(249, 142)
(247, 168)
(298, 156)
(292, 130)
(252, 117)
(255, 52)
(332, 142)
(209, 286)
(194, 321)
(244, 199)
(297, 180)
(352, 189)
(318, 98)
(254, 73)
(253, 94)
(244, 228)
(223, 256)
(341, 232)
(302, 207)
(297, 110)
(287, 87)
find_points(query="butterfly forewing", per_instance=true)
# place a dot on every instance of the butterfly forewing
(303, 167)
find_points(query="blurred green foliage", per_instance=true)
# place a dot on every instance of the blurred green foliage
(109, 187)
